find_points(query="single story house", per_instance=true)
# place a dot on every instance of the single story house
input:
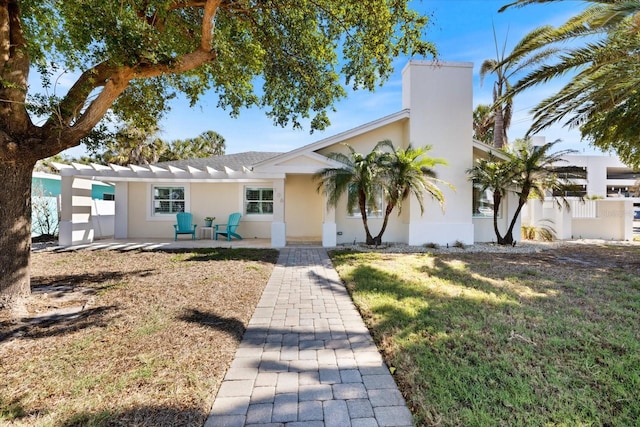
(277, 195)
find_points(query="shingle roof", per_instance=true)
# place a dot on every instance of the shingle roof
(232, 161)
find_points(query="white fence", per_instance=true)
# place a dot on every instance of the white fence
(608, 219)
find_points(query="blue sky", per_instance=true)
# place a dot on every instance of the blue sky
(461, 30)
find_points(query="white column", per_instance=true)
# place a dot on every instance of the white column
(278, 226)
(121, 217)
(329, 228)
(65, 230)
(75, 218)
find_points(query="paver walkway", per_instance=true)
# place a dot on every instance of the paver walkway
(307, 358)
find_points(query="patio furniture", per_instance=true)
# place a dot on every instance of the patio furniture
(229, 229)
(184, 225)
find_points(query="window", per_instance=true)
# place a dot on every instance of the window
(168, 200)
(258, 201)
(108, 196)
(375, 208)
(482, 202)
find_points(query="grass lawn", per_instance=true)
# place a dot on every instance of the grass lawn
(127, 338)
(484, 339)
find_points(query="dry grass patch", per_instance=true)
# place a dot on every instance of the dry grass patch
(127, 338)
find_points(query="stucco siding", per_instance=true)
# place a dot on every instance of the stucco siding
(204, 199)
(396, 132)
(303, 208)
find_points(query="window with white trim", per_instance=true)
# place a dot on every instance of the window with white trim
(258, 201)
(375, 207)
(168, 200)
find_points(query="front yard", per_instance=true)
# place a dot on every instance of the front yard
(485, 339)
(473, 339)
(127, 338)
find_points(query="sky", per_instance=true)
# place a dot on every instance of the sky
(462, 31)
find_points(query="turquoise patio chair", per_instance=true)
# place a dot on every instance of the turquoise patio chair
(229, 229)
(185, 225)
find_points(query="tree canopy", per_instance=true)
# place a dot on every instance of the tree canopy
(601, 46)
(133, 56)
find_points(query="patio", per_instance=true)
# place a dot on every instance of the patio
(168, 244)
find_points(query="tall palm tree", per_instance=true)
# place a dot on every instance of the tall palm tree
(601, 99)
(406, 172)
(359, 178)
(493, 174)
(505, 67)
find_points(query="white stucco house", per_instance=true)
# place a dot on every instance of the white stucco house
(276, 194)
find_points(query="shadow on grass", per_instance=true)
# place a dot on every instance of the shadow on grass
(229, 325)
(67, 282)
(139, 416)
(225, 254)
(56, 324)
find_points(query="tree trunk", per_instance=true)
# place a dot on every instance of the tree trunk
(15, 232)
(387, 212)
(497, 200)
(362, 204)
(498, 128)
(508, 236)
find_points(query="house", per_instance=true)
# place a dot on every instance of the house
(276, 193)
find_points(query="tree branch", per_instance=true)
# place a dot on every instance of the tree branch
(71, 106)
(74, 121)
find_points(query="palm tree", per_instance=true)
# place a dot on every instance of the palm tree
(505, 68)
(601, 99)
(407, 171)
(533, 176)
(207, 144)
(398, 173)
(526, 170)
(359, 177)
(493, 174)
(483, 123)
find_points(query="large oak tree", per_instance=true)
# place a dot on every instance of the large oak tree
(129, 57)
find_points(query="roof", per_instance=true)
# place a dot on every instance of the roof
(232, 161)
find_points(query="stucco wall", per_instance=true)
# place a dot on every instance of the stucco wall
(364, 143)
(350, 228)
(205, 199)
(440, 98)
(612, 219)
(304, 207)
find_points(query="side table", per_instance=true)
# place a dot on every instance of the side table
(203, 231)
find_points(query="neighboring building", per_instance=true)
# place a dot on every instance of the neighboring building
(45, 194)
(276, 193)
(602, 205)
(601, 175)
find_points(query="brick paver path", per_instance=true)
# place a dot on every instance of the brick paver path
(307, 358)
